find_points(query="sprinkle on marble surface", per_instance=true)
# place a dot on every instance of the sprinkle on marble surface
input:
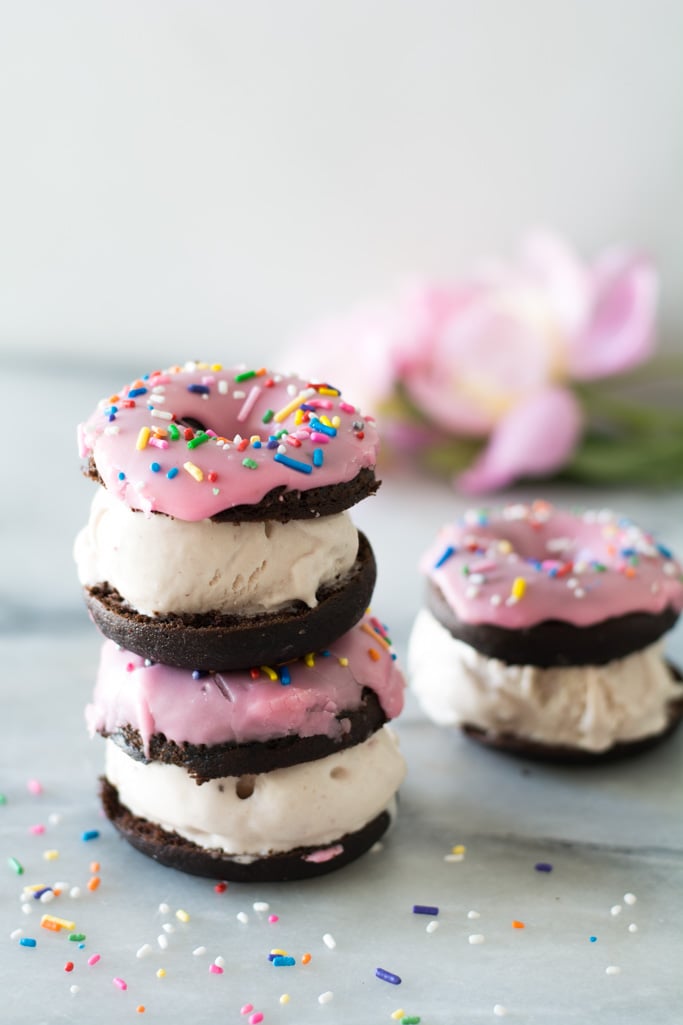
(499, 1010)
(329, 941)
(476, 938)
(326, 997)
(386, 976)
(630, 898)
(613, 970)
(543, 866)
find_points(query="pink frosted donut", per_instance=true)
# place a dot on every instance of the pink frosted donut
(201, 441)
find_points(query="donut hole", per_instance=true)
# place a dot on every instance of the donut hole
(244, 787)
(191, 421)
(339, 772)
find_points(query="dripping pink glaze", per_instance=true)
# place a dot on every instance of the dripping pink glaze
(591, 537)
(113, 442)
(231, 707)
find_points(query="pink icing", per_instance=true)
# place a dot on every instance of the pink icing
(324, 854)
(124, 459)
(580, 569)
(234, 708)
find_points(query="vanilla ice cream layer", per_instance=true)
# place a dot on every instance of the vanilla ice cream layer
(589, 707)
(159, 564)
(311, 805)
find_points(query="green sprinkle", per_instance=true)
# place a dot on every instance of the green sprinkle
(251, 464)
(245, 376)
(466, 570)
(3, 799)
(16, 865)
(173, 432)
(267, 416)
(414, 1020)
(281, 433)
(198, 440)
(600, 567)
(77, 937)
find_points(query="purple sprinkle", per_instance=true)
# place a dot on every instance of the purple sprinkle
(543, 866)
(386, 976)
(425, 909)
(198, 389)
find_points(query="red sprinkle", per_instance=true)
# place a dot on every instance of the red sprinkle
(360, 435)
(212, 476)
(220, 887)
(188, 434)
(69, 966)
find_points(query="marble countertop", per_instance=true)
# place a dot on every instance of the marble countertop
(607, 831)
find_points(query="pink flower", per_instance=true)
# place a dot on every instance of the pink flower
(492, 356)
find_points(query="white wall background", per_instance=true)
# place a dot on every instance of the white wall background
(206, 178)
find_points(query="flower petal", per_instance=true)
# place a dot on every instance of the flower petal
(557, 271)
(621, 333)
(534, 439)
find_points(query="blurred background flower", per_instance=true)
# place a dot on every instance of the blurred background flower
(490, 376)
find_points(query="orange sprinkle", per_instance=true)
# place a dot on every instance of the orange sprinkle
(374, 654)
(94, 883)
(516, 924)
(140, 1008)
(94, 867)
(49, 923)
(629, 571)
(375, 635)
(305, 958)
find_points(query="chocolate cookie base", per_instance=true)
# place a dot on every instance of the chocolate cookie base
(284, 504)
(215, 642)
(204, 762)
(555, 643)
(535, 751)
(176, 852)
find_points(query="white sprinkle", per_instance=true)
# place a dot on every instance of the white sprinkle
(558, 544)
(261, 905)
(292, 390)
(630, 898)
(168, 927)
(432, 927)
(476, 937)
(164, 909)
(612, 970)
(74, 989)
(242, 917)
(615, 909)
(669, 569)
(159, 389)
(75, 892)
(144, 951)
(477, 578)
(654, 588)
(471, 592)
(220, 961)
(499, 1010)
(162, 940)
(454, 857)
(159, 398)
(325, 998)
(495, 599)
(17, 934)
(26, 908)
(282, 449)
(112, 429)
(633, 927)
(60, 886)
(161, 414)
(512, 600)
(199, 951)
(579, 593)
(46, 897)
(223, 387)
(377, 847)
(329, 941)
(572, 583)
(239, 394)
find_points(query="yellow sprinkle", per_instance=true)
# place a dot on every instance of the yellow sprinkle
(505, 547)
(50, 855)
(326, 420)
(202, 366)
(182, 915)
(194, 471)
(161, 972)
(278, 952)
(343, 661)
(518, 587)
(398, 1014)
(283, 413)
(254, 438)
(143, 438)
(336, 421)
(458, 849)
(328, 391)
(60, 923)
(310, 659)
(216, 366)
(270, 673)
(298, 417)
(34, 887)
(284, 999)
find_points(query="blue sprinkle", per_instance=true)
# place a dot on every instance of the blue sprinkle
(323, 428)
(285, 678)
(122, 475)
(626, 552)
(307, 407)
(155, 467)
(112, 416)
(325, 653)
(27, 941)
(592, 938)
(173, 472)
(199, 674)
(444, 557)
(90, 834)
(283, 962)
(666, 552)
(425, 909)
(386, 976)
(256, 444)
(134, 392)
(198, 389)
(318, 457)
(294, 464)
(543, 866)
